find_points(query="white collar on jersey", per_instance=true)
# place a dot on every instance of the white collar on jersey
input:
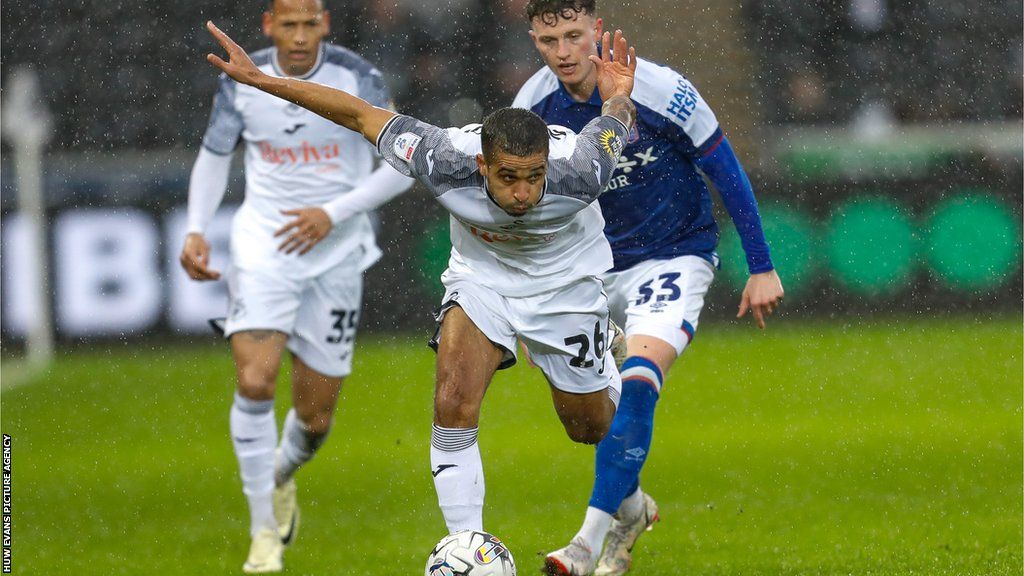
(316, 65)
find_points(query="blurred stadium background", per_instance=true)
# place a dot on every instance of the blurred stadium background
(884, 140)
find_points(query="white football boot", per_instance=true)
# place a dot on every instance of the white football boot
(618, 547)
(576, 559)
(286, 511)
(265, 554)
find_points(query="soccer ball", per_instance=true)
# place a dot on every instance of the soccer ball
(470, 553)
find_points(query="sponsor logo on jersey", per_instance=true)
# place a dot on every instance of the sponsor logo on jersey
(405, 145)
(684, 101)
(304, 153)
(501, 237)
(515, 224)
(626, 165)
(611, 142)
(294, 129)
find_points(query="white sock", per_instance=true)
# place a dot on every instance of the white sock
(298, 445)
(632, 506)
(595, 527)
(254, 435)
(458, 477)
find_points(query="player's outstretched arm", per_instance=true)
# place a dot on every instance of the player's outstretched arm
(616, 70)
(336, 105)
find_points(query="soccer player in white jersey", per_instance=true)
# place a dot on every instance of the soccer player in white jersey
(663, 237)
(295, 277)
(527, 249)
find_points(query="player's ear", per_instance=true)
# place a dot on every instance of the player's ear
(268, 25)
(481, 163)
(598, 28)
(327, 22)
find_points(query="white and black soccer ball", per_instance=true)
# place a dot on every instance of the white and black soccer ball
(470, 553)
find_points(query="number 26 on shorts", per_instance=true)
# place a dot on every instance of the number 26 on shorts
(583, 341)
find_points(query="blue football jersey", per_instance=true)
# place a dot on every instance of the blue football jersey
(657, 205)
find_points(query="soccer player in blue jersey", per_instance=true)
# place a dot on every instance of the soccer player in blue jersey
(663, 236)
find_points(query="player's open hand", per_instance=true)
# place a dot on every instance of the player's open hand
(616, 67)
(762, 295)
(239, 66)
(308, 227)
(195, 258)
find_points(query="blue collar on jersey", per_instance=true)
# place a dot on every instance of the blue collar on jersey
(565, 100)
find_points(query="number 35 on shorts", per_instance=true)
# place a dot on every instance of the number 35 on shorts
(343, 329)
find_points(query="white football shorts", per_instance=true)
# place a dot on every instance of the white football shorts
(319, 314)
(660, 298)
(565, 330)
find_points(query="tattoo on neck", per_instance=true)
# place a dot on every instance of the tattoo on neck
(621, 108)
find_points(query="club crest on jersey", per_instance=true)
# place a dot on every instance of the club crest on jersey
(405, 145)
(611, 142)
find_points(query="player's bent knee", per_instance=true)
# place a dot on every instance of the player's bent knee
(451, 412)
(590, 429)
(454, 405)
(589, 433)
(256, 386)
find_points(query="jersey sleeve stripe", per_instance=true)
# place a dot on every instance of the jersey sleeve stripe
(712, 143)
(384, 131)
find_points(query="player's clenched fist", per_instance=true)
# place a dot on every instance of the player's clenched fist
(195, 258)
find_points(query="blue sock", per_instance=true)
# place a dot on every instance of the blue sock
(622, 453)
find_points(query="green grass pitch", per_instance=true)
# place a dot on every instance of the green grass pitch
(872, 448)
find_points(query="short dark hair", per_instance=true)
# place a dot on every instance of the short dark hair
(550, 10)
(514, 131)
(270, 5)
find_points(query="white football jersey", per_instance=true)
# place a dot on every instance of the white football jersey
(295, 159)
(559, 240)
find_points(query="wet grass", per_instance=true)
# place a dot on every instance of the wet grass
(880, 448)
